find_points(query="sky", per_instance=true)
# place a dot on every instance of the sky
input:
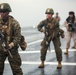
(31, 12)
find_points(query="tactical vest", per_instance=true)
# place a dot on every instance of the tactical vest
(72, 25)
(8, 29)
(52, 29)
(5, 28)
(70, 20)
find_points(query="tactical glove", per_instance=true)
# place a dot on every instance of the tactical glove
(62, 35)
(11, 44)
(22, 43)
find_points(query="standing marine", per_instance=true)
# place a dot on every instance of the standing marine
(50, 27)
(10, 35)
(57, 17)
(70, 25)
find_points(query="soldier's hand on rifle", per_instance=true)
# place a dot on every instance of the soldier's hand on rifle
(62, 35)
(69, 25)
(11, 44)
(42, 30)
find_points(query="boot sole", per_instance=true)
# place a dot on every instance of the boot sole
(59, 67)
(41, 67)
(66, 53)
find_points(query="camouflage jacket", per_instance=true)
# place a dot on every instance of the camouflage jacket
(57, 18)
(52, 27)
(11, 30)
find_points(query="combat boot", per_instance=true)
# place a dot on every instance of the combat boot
(41, 65)
(66, 51)
(59, 65)
(73, 47)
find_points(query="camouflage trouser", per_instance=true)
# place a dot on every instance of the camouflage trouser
(68, 37)
(14, 62)
(57, 44)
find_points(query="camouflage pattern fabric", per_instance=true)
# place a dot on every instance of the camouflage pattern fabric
(23, 43)
(53, 31)
(12, 35)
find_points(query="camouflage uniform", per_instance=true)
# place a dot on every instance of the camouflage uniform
(54, 32)
(57, 17)
(12, 33)
(53, 28)
(70, 34)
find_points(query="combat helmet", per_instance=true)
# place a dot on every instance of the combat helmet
(49, 11)
(5, 7)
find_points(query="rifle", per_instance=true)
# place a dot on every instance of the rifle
(4, 45)
(71, 27)
(46, 37)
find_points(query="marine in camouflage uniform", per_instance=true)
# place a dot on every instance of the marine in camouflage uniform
(54, 31)
(57, 17)
(11, 30)
(71, 31)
